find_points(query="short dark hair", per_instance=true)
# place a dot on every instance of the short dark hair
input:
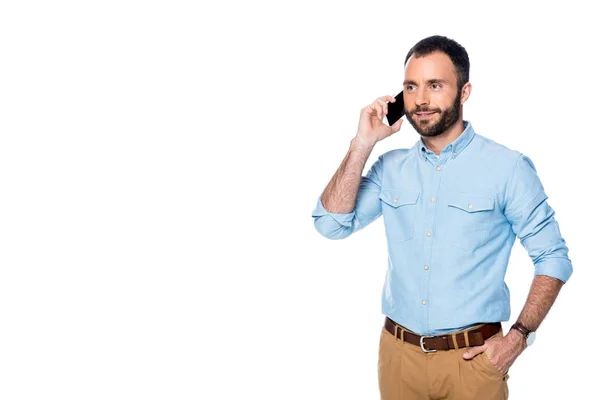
(458, 55)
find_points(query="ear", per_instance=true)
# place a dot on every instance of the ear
(466, 92)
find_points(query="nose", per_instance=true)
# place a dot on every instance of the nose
(421, 97)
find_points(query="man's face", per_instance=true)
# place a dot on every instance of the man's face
(431, 96)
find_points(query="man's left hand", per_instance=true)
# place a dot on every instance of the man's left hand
(502, 352)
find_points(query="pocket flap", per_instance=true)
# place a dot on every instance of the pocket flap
(397, 198)
(470, 203)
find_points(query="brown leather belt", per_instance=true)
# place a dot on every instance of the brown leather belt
(476, 337)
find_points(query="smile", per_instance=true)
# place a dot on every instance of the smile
(425, 115)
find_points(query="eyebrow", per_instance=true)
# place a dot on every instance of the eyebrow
(430, 81)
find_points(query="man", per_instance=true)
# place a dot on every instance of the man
(452, 206)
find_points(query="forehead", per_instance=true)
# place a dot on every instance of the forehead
(436, 65)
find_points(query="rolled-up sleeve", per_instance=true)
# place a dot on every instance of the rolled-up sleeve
(532, 220)
(367, 207)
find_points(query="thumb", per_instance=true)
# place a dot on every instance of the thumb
(473, 351)
(396, 126)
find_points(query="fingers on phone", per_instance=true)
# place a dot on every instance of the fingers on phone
(381, 107)
(377, 107)
(373, 109)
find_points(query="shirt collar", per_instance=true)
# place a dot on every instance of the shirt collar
(459, 144)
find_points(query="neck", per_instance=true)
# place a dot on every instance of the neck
(437, 143)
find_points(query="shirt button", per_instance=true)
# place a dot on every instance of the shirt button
(438, 168)
(395, 199)
(428, 233)
(424, 302)
(432, 199)
(426, 267)
(453, 154)
(470, 206)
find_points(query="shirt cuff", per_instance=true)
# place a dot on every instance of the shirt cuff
(558, 268)
(344, 219)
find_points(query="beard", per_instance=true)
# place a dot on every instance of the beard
(427, 127)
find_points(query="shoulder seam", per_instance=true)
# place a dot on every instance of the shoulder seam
(512, 176)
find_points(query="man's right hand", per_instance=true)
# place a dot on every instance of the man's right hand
(371, 128)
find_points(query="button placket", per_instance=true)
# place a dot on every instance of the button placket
(430, 228)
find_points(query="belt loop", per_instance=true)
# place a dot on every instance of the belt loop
(396, 327)
(454, 341)
(466, 333)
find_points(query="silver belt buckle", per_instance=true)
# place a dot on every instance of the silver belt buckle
(422, 340)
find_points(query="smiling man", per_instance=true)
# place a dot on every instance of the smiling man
(427, 117)
(453, 205)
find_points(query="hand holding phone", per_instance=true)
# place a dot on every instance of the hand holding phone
(371, 128)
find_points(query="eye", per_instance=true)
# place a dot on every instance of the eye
(409, 87)
(436, 86)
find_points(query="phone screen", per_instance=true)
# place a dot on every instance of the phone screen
(395, 109)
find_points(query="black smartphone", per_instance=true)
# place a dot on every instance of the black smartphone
(395, 109)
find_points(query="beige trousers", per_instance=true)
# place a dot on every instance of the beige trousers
(407, 373)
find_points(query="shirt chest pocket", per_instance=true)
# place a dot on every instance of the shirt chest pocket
(399, 210)
(469, 219)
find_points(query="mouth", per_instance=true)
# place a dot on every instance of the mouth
(424, 115)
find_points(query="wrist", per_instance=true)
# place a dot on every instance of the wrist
(515, 337)
(363, 143)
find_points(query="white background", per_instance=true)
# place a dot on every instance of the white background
(159, 162)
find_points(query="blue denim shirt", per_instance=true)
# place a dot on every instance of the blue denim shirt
(450, 223)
